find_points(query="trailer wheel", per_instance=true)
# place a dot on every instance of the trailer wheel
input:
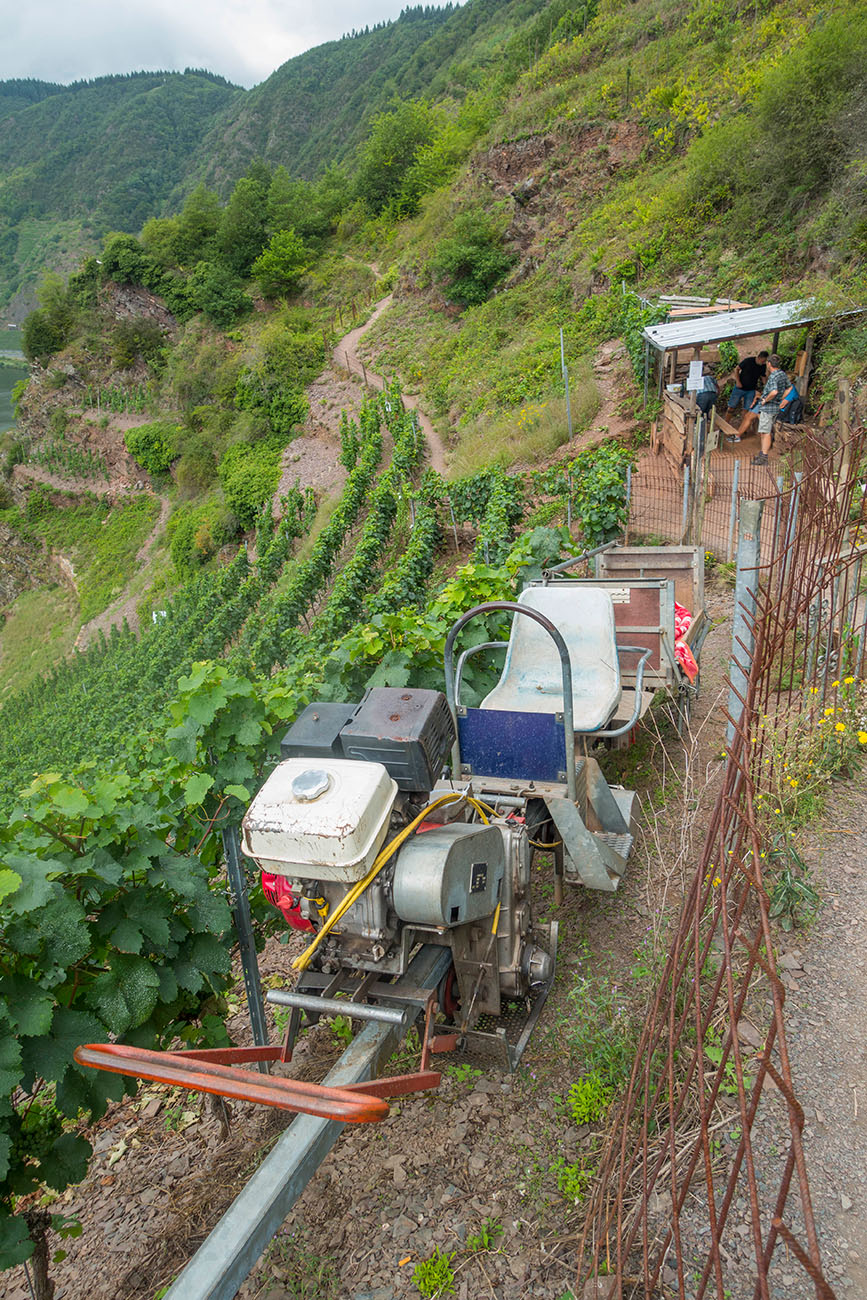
(448, 995)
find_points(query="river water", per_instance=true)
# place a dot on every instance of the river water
(10, 346)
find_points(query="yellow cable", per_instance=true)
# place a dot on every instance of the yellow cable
(496, 920)
(480, 809)
(384, 856)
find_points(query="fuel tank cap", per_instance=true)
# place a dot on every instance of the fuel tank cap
(310, 784)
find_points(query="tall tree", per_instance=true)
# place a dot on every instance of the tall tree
(242, 231)
(390, 150)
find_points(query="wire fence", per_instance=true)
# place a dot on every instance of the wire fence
(703, 1187)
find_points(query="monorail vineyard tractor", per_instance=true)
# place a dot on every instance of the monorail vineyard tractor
(396, 836)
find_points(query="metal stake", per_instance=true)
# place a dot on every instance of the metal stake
(454, 523)
(734, 509)
(746, 586)
(246, 942)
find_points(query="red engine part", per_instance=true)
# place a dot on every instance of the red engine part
(276, 890)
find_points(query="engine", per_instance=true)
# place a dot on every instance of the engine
(351, 780)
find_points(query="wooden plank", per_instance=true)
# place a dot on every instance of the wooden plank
(684, 565)
(724, 426)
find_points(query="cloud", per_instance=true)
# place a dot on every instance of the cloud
(244, 40)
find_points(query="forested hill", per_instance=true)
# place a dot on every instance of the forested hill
(77, 161)
(316, 109)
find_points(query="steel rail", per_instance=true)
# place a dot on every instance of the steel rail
(228, 1254)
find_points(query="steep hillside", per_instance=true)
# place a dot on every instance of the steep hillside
(76, 161)
(316, 108)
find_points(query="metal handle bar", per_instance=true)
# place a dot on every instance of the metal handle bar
(336, 1007)
(639, 681)
(465, 655)
(512, 607)
(576, 559)
(229, 1081)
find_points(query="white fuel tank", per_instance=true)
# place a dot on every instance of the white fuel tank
(320, 819)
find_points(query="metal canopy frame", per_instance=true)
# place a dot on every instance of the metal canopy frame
(702, 331)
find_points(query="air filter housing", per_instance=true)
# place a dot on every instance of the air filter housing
(409, 732)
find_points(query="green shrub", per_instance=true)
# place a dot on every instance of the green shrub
(281, 265)
(249, 474)
(473, 258)
(40, 336)
(395, 139)
(195, 471)
(217, 293)
(153, 445)
(135, 338)
(196, 532)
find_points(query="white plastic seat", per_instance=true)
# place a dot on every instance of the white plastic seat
(532, 680)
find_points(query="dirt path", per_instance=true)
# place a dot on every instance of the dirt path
(125, 606)
(824, 974)
(346, 357)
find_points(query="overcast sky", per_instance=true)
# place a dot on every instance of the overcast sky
(244, 40)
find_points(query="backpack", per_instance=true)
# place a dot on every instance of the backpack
(793, 414)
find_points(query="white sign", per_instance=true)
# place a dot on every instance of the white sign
(696, 378)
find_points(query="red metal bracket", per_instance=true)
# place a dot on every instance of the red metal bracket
(199, 1075)
(216, 1070)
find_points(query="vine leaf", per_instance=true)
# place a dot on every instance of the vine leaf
(69, 800)
(10, 1065)
(9, 882)
(88, 1090)
(15, 1242)
(29, 1006)
(197, 787)
(66, 1162)
(5, 1148)
(126, 993)
(35, 888)
(51, 1055)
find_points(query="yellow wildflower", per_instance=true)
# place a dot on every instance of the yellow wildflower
(862, 737)
(839, 726)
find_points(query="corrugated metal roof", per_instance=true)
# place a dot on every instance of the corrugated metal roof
(730, 325)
